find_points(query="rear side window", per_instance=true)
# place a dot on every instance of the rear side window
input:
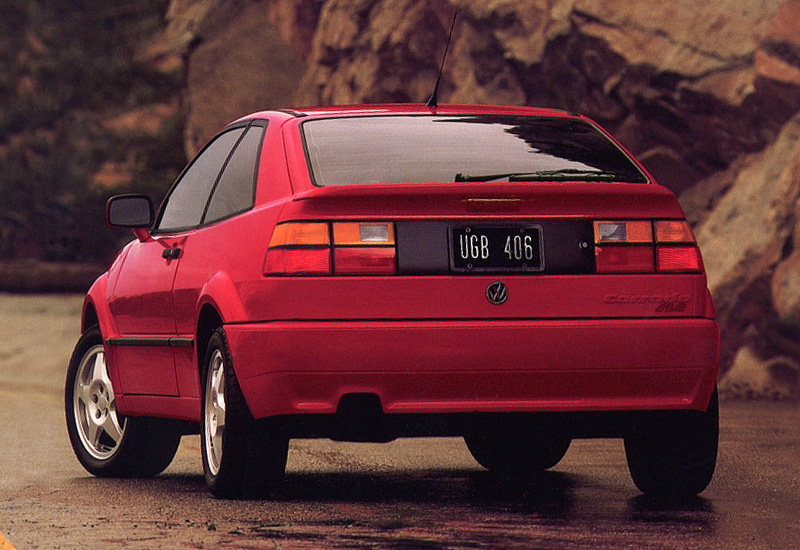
(235, 191)
(187, 202)
(422, 149)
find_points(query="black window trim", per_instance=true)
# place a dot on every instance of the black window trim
(576, 118)
(246, 124)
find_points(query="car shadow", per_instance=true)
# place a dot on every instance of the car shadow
(549, 493)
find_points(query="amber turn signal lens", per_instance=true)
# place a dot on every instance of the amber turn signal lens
(300, 234)
(363, 234)
(623, 232)
(674, 231)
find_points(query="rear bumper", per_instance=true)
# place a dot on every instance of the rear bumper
(429, 367)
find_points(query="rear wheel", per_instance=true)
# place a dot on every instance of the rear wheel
(106, 443)
(242, 457)
(674, 454)
(516, 449)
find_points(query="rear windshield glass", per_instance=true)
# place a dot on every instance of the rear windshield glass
(422, 149)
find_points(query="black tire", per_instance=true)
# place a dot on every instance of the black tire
(106, 443)
(242, 457)
(516, 448)
(674, 454)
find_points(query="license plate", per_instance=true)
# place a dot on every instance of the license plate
(476, 248)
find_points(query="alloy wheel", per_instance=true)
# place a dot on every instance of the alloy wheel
(100, 427)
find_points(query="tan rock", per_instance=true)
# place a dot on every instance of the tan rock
(143, 121)
(112, 176)
(785, 26)
(241, 65)
(745, 234)
(786, 288)
(775, 68)
(682, 36)
(751, 377)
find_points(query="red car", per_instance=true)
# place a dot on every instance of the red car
(509, 275)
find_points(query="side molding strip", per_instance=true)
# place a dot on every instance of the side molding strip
(150, 341)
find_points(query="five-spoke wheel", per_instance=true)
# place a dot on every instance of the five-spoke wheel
(99, 426)
(242, 457)
(105, 442)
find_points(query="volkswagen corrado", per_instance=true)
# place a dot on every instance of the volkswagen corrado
(511, 276)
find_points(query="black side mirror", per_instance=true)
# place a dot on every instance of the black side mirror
(130, 211)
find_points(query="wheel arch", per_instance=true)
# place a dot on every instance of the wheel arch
(208, 321)
(219, 303)
(95, 308)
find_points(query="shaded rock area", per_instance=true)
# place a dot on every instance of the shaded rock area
(707, 95)
(82, 114)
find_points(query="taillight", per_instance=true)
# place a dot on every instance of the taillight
(364, 249)
(341, 248)
(624, 259)
(678, 259)
(301, 234)
(300, 261)
(663, 246)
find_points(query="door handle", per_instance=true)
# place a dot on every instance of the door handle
(171, 253)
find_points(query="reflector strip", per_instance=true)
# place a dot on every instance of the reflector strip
(363, 234)
(300, 233)
(365, 261)
(624, 259)
(674, 232)
(679, 259)
(623, 232)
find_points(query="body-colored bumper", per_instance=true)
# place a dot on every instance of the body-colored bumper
(468, 366)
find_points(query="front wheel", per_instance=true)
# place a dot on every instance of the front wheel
(242, 457)
(674, 454)
(106, 443)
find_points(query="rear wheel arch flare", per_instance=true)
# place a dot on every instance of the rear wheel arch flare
(208, 321)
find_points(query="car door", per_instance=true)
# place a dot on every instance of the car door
(142, 299)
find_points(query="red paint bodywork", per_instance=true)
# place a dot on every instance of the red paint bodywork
(422, 344)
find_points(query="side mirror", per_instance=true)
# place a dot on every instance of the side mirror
(131, 212)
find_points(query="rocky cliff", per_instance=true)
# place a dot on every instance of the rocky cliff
(707, 95)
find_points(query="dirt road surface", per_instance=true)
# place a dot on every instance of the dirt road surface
(425, 493)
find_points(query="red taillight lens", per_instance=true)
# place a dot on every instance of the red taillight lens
(298, 261)
(679, 259)
(365, 261)
(624, 259)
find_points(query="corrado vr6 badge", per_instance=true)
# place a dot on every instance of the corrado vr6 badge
(665, 302)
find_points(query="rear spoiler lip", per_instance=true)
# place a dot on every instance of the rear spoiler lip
(482, 189)
(448, 200)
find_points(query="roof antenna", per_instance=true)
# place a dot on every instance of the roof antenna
(433, 102)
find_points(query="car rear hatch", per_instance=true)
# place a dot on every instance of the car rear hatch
(434, 251)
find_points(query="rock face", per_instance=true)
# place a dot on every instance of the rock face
(82, 112)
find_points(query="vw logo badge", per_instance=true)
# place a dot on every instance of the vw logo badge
(497, 293)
